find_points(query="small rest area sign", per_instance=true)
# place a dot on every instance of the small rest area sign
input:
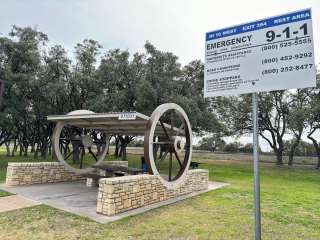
(269, 54)
(127, 116)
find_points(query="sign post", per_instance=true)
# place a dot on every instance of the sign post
(266, 55)
(256, 167)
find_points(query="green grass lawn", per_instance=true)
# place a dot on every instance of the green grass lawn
(290, 210)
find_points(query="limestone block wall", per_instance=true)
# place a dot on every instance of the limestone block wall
(39, 172)
(121, 194)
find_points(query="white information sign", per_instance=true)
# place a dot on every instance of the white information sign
(127, 116)
(265, 55)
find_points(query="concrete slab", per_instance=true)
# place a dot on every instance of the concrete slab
(14, 202)
(76, 198)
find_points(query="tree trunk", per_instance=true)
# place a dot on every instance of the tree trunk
(213, 148)
(44, 148)
(116, 150)
(317, 147)
(279, 157)
(14, 149)
(124, 152)
(26, 150)
(20, 150)
(120, 151)
(49, 150)
(44, 152)
(99, 147)
(65, 148)
(76, 152)
(32, 148)
(36, 152)
(294, 146)
(7, 144)
(292, 152)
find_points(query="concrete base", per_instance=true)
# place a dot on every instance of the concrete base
(14, 202)
(76, 198)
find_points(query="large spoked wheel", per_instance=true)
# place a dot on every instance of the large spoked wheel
(168, 144)
(78, 148)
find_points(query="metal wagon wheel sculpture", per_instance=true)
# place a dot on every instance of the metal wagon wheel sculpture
(79, 148)
(168, 144)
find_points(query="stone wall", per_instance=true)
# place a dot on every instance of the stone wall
(121, 194)
(39, 172)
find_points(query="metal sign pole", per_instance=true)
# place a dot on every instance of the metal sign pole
(256, 167)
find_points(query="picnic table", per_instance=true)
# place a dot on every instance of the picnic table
(109, 168)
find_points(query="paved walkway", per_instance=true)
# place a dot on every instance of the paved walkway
(14, 202)
(76, 198)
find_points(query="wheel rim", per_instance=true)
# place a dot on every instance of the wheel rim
(85, 145)
(178, 159)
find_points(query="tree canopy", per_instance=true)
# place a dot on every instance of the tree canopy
(41, 80)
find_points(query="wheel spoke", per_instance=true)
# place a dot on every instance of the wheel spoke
(90, 151)
(69, 154)
(180, 128)
(164, 129)
(177, 157)
(81, 157)
(163, 157)
(170, 166)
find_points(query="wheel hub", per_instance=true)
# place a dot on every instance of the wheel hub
(86, 141)
(179, 144)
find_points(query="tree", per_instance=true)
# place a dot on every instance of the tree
(297, 118)
(161, 74)
(51, 94)
(42, 80)
(303, 149)
(21, 54)
(314, 120)
(232, 147)
(212, 143)
(273, 117)
(117, 80)
(83, 81)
